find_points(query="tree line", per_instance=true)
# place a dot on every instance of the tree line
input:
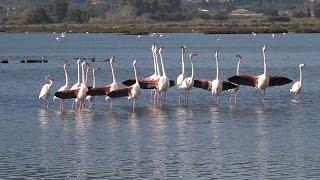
(123, 11)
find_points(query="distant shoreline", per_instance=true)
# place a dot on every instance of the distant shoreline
(207, 27)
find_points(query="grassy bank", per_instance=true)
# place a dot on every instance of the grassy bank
(234, 26)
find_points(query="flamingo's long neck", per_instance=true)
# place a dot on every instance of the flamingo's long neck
(83, 75)
(238, 68)
(264, 63)
(300, 75)
(157, 63)
(182, 61)
(87, 73)
(78, 73)
(67, 77)
(192, 68)
(154, 63)
(217, 65)
(162, 65)
(135, 73)
(94, 79)
(50, 82)
(113, 75)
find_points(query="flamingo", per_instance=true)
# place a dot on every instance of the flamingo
(260, 82)
(46, 90)
(233, 97)
(89, 97)
(163, 84)
(181, 77)
(132, 92)
(297, 86)
(216, 86)
(156, 75)
(77, 85)
(87, 74)
(188, 82)
(155, 63)
(64, 87)
(114, 85)
(82, 93)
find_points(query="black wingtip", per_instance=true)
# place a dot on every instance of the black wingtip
(172, 83)
(129, 82)
(65, 94)
(119, 93)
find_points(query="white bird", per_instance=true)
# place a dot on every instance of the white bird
(64, 87)
(90, 98)
(260, 82)
(273, 35)
(46, 90)
(182, 76)
(297, 86)
(216, 86)
(188, 82)
(135, 89)
(163, 83)
(155, 63)
(114, 85)
(233, 97)
(156, 74)
(77, 85)
(82, 93)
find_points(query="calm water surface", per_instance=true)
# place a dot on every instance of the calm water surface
(243, 141)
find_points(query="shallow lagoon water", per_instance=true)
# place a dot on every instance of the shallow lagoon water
(243, 141)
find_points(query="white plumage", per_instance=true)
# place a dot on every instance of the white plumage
(297, 86)
(46, 90)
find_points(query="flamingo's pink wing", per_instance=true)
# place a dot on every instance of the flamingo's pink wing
(99, 91)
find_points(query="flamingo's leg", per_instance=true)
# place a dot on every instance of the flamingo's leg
(187, 98)
(133, 104)
(179, 92)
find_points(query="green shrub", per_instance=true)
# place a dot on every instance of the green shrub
(37, 16)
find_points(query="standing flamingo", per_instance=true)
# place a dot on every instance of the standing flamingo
(46, 90)
(182, 76)
(188, 82)
(114, 85)
(163, 83)
(64, 87)
(233, 96)
(82, 93)
(155, 63)
(260, 82)
(297, 86)
(156, 75)
(132, 92)
(90, 98)
(216, 86)
(77, 85)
